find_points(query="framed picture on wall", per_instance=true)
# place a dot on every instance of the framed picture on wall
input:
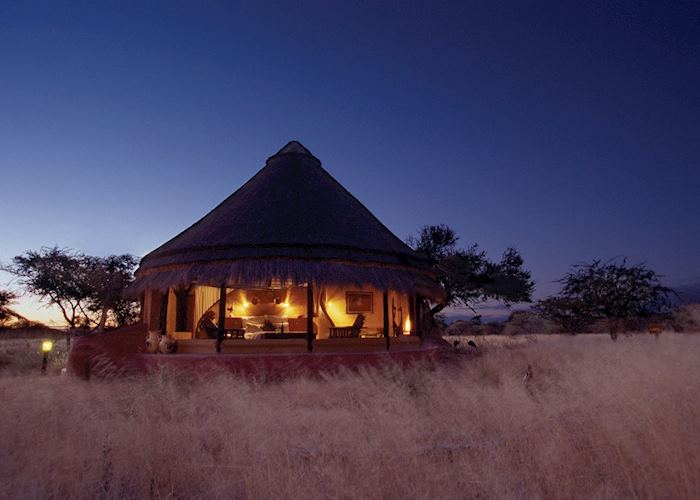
(359, 302)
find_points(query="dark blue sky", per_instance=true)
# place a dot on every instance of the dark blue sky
(570, 130)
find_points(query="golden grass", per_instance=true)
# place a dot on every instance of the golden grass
(598, 419)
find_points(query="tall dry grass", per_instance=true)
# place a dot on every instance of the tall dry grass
(598, 419)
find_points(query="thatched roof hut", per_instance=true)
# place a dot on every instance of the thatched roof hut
(292, 222)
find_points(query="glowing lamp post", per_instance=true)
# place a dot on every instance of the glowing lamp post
(46, 348)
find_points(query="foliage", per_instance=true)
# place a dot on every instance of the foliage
(526, 323)
(86, 289)
(468, 276)
(571, 313)
(609, 290)
(6, 313)
(57, 277)
(108, 277)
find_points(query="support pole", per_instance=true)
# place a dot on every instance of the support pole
(411, 312)
(385, 301)
(419, 319)
(44, 363)
(222, 317)
(163, 320)
(310, 317)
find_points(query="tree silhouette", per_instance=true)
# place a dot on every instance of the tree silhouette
(84, 288)
(467, 275)
(613, 291)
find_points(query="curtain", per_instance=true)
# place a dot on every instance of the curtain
(204, 298)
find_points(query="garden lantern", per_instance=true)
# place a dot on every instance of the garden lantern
(46, 348)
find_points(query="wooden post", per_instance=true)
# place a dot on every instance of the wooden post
(145, 307)
(385, 301)
(222, 317)
(411, 313)
(163, 320)
(419, 319)
(310, 317)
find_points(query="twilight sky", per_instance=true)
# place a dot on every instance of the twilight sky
(569, 130)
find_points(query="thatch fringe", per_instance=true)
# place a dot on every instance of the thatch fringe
(258, 273)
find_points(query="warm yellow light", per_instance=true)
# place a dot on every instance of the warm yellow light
(46, 346)
(285, 304)
(246, 304)
(407, 327)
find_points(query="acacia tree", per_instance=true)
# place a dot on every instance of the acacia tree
(614, 292)
(467, 275)
(6, 313)
(572, 314)
(57, 277)
(108, 277)
(84, 288)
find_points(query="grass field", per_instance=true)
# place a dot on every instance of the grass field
(597, 419)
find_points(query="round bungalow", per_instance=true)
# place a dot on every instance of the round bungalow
(291, 261)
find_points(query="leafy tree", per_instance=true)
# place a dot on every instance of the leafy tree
(614, 292)
(84, 288)
(467, 275)
(125, 312)
(571, 313)
(6, 313)
(107, 278)
(58, 277)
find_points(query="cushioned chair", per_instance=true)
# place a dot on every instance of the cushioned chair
(348, 331)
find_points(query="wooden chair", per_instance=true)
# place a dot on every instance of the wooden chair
(348, 331)
(234, 328)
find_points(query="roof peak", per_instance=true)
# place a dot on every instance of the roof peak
(294, 147)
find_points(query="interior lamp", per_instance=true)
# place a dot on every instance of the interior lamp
(407, 327)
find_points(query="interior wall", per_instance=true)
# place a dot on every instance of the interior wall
(259, 303)
(336, 306)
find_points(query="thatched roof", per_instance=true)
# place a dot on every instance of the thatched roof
(294, 222)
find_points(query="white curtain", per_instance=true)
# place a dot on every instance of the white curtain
(204, 298)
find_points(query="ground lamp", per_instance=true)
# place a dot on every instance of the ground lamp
(46, 348)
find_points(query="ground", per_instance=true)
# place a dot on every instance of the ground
(589, 418)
